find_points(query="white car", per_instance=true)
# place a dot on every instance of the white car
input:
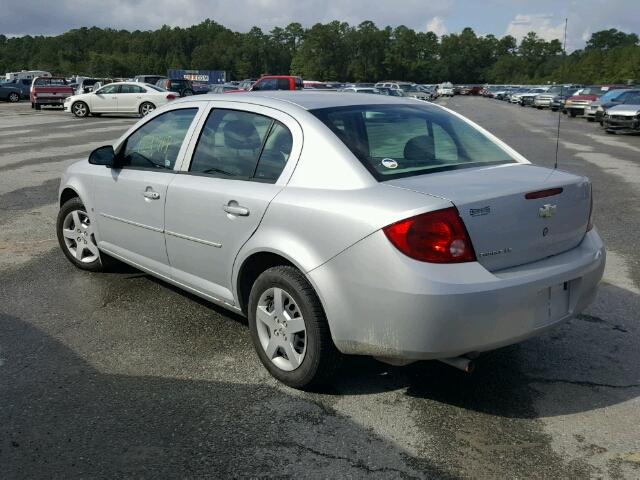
(120, 97)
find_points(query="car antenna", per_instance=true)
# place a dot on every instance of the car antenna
(564, 51)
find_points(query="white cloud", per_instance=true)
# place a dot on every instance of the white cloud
(542, 24)
(437, 26)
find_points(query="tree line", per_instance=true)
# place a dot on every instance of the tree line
(331, 51)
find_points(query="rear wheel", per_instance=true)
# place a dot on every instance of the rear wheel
(591, 119)
(289, 329)
(80, 109)
(146, 108)
(37, 106)
(610, 132)
(187, 93)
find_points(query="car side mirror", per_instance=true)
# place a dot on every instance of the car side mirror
(103, 156)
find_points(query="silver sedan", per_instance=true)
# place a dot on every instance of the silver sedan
(339, 224)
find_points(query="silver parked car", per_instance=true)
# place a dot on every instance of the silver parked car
(339, 223)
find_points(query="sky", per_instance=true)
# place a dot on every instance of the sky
(497, 17)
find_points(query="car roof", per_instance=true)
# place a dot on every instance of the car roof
(305, 99)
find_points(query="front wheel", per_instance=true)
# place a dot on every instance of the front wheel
(146, 108)
(187, 93)
(289, 329)
(80, 109)
(572, 114)
(14, 97)
(76, 236)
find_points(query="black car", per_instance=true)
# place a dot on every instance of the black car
(557, 102)
(629, 97)
(9, 93)
(178, 85)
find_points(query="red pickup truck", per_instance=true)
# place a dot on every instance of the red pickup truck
(49, 91)
(274, 82)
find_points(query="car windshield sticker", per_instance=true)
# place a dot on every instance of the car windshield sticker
(389, 163)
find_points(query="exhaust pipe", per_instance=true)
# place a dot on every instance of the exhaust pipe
(461, 363)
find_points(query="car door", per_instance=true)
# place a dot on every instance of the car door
(129, 198)
(105, 100)
(129, 97)
(238, 164)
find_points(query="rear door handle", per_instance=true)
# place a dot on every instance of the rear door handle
(151, 194)
(233, 208)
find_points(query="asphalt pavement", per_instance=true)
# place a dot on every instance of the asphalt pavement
(121, 375)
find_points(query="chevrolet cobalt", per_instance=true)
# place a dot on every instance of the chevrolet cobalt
(339, 224)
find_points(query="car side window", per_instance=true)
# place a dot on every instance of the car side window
(283, 84)
(270, 84)
(126, 88)
(275, 154)
(230, 144)
(109, 89)
(156, 144)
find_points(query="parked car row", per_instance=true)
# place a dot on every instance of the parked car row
(615, 107)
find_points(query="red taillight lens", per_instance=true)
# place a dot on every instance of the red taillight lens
(543, 193)
(436, 237)
(171, 97)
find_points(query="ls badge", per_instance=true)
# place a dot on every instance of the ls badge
(547, 211)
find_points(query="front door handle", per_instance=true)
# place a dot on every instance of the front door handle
(151, 194)
(233, 208)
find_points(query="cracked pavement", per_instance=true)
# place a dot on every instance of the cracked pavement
(120, 375)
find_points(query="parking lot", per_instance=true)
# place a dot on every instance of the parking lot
(120, 375)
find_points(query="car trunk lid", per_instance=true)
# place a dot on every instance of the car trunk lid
(507, 228)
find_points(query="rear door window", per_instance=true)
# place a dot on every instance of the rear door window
(239, 145)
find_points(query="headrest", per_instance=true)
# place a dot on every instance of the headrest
(419, 149)
(241, 135)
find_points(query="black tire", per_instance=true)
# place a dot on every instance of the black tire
(143, 106)
(33, 105)
(610, 132)
(321, 358)
(80, 109)
(37, 106)
(572, 114)
(590, 119)
(14, 97)
(187, 93)
(70, 205)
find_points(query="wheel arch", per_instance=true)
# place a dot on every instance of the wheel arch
(251, 268)
(67, 194)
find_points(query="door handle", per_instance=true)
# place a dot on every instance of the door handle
(233, 208)
(151, 194)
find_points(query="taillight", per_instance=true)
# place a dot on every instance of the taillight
(435, 237)
(171, 96)
(590, 223)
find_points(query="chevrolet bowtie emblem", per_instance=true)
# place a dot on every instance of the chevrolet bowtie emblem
(547, 211)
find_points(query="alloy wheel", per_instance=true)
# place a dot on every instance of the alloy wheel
(79, 236)
(14, 97)
(80, 109)
(281, 329)
(146, 109)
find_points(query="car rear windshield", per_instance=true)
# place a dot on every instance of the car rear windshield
(50, 81)
(395, 141)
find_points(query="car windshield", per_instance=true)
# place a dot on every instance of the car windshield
(408, 87)
(405, 140)
(612, 95)
(632, 99)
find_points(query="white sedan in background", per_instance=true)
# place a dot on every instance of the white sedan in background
(120, 97)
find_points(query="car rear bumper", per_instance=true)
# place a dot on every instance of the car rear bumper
(50, 100)
(382, 303)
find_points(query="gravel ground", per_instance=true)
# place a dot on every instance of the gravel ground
(120, 375)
